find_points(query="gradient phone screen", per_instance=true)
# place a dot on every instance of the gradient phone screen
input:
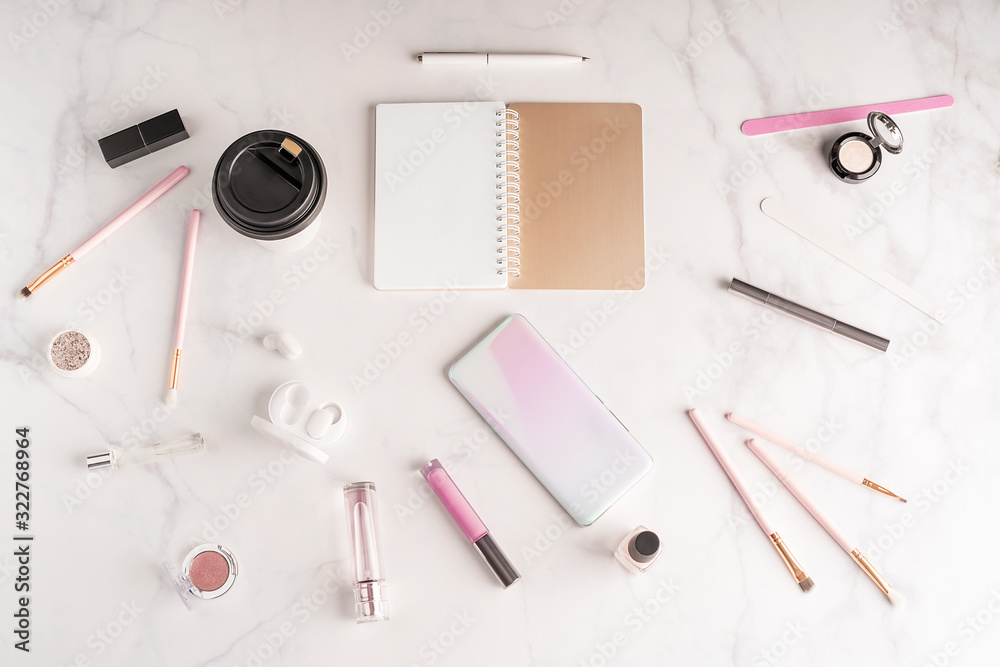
(555, 424)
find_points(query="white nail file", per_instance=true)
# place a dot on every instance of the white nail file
(795, 222)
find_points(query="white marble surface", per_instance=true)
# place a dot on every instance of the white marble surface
(718, 595)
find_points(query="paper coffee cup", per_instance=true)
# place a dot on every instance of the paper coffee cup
(270, 186)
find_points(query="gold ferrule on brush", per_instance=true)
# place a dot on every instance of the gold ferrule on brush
(53, 271)
(870, 570)
(881, 489)
(175, 368)
(786, 555)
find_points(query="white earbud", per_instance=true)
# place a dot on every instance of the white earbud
(328, 416)
(285, 343)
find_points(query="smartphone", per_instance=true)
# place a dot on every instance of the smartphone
(574, 445)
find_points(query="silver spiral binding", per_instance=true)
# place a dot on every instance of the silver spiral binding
(508, 193)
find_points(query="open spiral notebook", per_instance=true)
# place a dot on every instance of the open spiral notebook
(481, 195)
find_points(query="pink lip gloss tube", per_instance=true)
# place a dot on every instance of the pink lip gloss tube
(469, 522)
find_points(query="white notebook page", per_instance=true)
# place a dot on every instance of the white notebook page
(436, 196)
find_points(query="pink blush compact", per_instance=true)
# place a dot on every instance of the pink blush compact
(208, 572)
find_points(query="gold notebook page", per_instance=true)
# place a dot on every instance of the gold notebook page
(581, 215)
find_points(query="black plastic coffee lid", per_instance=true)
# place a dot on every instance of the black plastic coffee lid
(269, 185)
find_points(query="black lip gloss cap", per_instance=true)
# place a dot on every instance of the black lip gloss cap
(147, 137)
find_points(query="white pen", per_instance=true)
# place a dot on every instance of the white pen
(516, 59)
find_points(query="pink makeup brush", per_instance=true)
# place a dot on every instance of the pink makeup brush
(834, 532)
(804, 581)
(107, 230)
(835, 468)
(182, 307)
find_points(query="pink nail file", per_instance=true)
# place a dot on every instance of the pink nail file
(798, 121)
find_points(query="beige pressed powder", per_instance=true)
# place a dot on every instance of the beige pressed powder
(856, 156)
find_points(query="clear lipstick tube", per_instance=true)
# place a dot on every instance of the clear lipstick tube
(370, 601)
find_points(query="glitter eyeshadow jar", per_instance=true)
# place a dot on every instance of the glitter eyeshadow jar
(856, 156)
(74, 354)
(208, 572)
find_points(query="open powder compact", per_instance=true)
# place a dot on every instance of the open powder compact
(856, 156)
(208, 571)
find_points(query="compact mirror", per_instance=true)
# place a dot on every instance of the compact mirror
(886, 132)
(856, 156)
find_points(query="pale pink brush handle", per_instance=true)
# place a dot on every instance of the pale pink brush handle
(798, 121)
(727, 465)
(835, 468)
(801, 495)
(107, 230)
(182, 308)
